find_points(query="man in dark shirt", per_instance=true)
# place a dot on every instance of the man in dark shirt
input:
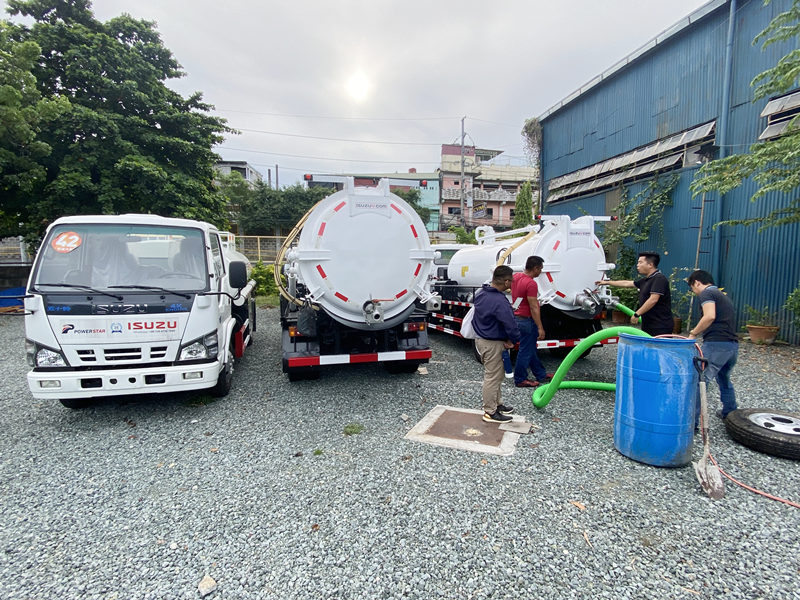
(496, 329)
(720, 343)
(655, 304)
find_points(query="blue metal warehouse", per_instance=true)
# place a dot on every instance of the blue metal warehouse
(659, 113)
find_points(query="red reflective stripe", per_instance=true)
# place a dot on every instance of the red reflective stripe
(549, 277)
(419, 266)
(305, 361)
(414, 231)
(399, 212)
(596, 244)
(418, 354)
(558, 243)
(403, 293)
(560, 295)
(363, 358)
(338, 206)
(321, 229)
(321, 272)
(340, 296)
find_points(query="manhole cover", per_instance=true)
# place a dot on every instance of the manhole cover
(465, 429)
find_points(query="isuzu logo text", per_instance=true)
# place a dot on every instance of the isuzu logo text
(103, 309)
(136, 325)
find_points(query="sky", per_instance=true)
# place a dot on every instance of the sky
(375, 86)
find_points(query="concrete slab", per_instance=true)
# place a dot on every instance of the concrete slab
(465, 429)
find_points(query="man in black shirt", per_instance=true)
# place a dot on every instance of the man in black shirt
(655, 304)
(720, 343)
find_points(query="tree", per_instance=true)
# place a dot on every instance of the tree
(274, 212)
(23, 112)
(235, 192)
(773, 164)
(523, 208)
(413, 197)
(126, 142)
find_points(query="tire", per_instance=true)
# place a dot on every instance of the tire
(76, 403)
(396, 367)
(561, 353)
(225, 379)
(774, 432)
(303, 373)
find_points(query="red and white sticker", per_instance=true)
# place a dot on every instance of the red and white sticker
(66, 242)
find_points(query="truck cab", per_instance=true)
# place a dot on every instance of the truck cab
(134, 304)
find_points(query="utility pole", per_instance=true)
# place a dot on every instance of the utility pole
(277, 187)
(461, 183)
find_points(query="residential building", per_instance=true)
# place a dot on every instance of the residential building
(251, 175)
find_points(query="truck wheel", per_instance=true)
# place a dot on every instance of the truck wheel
(396, 367)
(765, 430)
(301, 373)
(76, 402)
(225, 378)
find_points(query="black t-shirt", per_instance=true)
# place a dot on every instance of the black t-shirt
(723, 329)
(657, 320)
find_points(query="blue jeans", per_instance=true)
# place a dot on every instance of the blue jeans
(527, 356)
(721, 360)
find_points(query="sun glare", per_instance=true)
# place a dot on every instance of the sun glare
(358, 86)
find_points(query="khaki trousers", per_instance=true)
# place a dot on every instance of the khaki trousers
(491, 352)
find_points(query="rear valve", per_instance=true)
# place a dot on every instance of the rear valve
(372, 312)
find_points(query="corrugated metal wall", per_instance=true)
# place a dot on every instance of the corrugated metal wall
(675, 86)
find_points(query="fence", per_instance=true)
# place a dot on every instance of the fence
(262, 248)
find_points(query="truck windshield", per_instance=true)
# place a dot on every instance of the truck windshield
(108, 257)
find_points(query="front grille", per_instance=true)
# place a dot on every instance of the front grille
(116, 354)
(87, 356)
(158, 352)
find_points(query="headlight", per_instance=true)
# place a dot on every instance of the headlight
(49, 358)
(204, 348)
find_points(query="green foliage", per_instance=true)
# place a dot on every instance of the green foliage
(413, 197)
(122, 141)
(353, 428)
(272, 212)
(760, 316)
(264, 277)
(793, 305)
(234, 191)
(680, 293)
(532, 139)
(637, 215)
(523, 207)
(462, 236)
(774, 164)
(317, 452)
(626, 270)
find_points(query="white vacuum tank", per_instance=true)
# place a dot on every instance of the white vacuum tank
(364, 257)
(573, 261)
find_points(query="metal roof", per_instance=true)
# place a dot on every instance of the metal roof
(618, 66)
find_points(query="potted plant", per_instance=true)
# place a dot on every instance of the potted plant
(681, 297)
(760, 324)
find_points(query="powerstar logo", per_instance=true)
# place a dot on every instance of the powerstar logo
(142, 325)
(67, 328)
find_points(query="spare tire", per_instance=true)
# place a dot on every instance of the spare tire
(769, 431)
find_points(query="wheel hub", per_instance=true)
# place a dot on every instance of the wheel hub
(782, 423)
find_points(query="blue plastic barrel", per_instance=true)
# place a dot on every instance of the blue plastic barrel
(656, 397)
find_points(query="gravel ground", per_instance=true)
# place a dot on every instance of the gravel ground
(140, 498)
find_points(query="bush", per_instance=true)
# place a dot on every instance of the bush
(265, 279)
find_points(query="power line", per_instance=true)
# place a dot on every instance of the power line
(271, 114)
(330, 139)
(385, 162)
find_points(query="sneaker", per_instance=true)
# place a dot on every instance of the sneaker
(505, 410)
(527, 383)
(510, 375)
(496, 417)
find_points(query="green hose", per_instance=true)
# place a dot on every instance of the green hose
(623, 308)
(544, 393)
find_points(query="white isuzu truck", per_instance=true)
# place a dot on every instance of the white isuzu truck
(134, 304)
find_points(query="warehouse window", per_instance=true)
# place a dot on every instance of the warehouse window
(779, 112)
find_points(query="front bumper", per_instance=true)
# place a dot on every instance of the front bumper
(144, 380)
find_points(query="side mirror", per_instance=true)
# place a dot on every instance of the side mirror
(237, 274)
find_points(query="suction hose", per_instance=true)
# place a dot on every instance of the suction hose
(544, 393)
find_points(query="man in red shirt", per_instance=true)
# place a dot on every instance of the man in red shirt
(524, 294)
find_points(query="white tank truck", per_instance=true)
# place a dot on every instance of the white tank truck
(357, 283)
(573, 260)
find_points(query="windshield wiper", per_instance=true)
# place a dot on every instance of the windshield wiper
(151, 287)
(81, 287)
